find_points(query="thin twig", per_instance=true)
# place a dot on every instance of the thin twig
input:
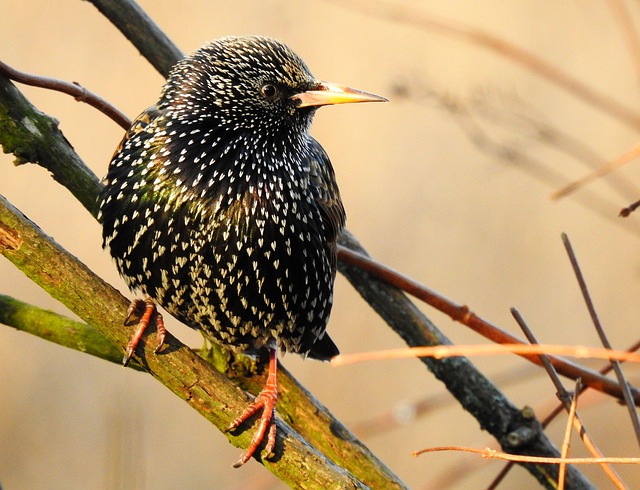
(567, 401)
(77, 91)
(599, 172)
(493, 454)
(553, 375)
(463, 315)
(442, 351)
(626, 387)
(566, 441)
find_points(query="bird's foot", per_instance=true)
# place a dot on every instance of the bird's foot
(147, 311)
(266, 401)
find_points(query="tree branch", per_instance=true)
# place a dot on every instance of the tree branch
(59, 329)
(517, 431)
(209, 392)
(34, 137)
(75, 90)
(151, 41)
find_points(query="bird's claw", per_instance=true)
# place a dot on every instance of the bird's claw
(148, 312)
(266, 401)
(136, 307)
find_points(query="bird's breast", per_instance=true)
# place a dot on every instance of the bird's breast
(228, 238)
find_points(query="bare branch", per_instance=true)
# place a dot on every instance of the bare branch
(143, 33)
(598, 173)
(626, 387)
(78, 92)
(463, 315)
(492, 454)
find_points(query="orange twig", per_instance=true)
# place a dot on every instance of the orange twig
(441, 351)
(597, 173)
(489, 453)
(462, 314)
(566, 442)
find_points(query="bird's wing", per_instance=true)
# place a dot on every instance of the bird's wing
(139, 127)
(326, 191)
(327, 195)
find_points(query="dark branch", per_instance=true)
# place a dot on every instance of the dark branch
(617, 369)
(495, 413)
(150, 40)
(462, 314)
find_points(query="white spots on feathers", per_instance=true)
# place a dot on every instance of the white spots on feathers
(211, 207)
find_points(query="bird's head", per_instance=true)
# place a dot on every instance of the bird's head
(252, 83)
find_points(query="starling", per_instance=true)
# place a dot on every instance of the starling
(220, 207)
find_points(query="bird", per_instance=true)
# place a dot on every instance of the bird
(221, 207)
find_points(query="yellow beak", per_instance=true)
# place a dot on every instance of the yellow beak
(332, 93)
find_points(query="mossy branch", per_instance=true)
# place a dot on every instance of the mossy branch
(34, 137)
(151, 42)
(58, 329)
(209, 392)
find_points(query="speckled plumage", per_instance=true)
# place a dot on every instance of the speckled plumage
(222, 208)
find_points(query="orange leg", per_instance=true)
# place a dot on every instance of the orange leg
(150, 313)
(266, 401)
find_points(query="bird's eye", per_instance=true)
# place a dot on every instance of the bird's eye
(269, 90)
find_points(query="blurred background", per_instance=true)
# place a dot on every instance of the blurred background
(450, 182)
